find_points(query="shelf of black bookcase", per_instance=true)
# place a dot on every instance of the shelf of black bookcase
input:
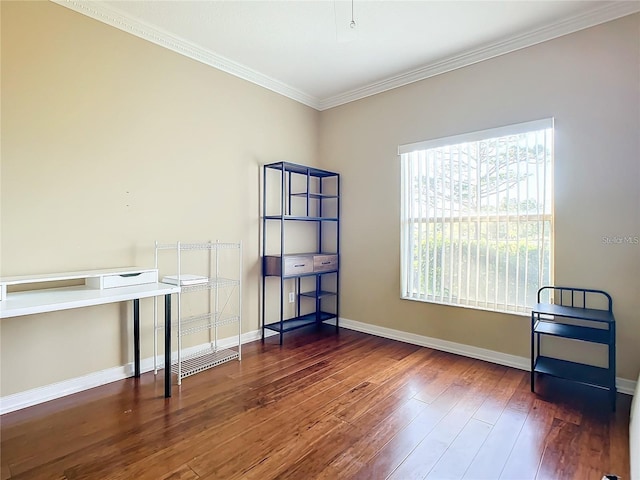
(300, 275)
(301, 169)
(300, 322)
(576, 332)
(315, 195)
(320, 294)
(577, 372)
(301, 218)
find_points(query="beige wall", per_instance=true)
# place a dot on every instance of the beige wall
(110, 142)
(590, 82)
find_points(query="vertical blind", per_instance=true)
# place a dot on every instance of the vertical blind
(477, 217)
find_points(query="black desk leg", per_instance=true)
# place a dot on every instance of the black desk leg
(167, 345)
(136, 337)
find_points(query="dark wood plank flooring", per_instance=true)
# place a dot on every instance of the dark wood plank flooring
(325, 406)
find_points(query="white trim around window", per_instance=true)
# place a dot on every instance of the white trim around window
(477, 217)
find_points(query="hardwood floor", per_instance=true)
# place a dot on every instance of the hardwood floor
(325, 406)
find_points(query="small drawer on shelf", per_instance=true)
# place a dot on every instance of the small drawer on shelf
(293, 265)
(325, 263)
(297, 265)
(123, 279)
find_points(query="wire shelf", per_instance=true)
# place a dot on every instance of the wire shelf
(204, 359)
(219, 282)
(192, 325)
(226, 319)
(222, 308)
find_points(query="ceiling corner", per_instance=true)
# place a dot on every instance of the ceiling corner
(601, 14)
(110, 16)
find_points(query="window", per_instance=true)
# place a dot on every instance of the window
(477, 217)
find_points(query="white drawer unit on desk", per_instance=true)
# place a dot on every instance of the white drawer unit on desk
(96, 287)
(124, 278)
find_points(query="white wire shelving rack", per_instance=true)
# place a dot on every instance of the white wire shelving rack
(224, 305)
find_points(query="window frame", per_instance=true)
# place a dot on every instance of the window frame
(546, 215)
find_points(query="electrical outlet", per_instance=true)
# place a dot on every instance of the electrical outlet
(291, 297)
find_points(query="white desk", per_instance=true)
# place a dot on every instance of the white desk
(30, 302)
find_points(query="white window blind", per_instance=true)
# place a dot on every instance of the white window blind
(477, 217)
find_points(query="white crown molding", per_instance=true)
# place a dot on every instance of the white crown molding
(115, 18)
(34, 396)
(106, 14)
(596, 16)
(521, 363)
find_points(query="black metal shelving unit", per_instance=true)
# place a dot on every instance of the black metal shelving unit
(312, 196)
(567, 315)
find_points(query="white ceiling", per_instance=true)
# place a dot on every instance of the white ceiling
(306, 50)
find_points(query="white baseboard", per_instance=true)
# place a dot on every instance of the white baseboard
(17, 401)
(522, 363)
(626, 386)
(34, 396)
(45, 393)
